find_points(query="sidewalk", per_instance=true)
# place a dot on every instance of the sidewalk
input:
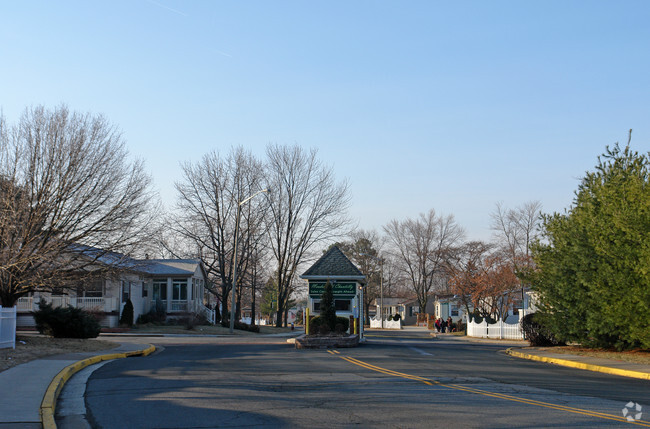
(36, 384)
(589, 363)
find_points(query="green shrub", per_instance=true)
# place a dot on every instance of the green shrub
(68, 322)
(397, 317)
(127, 314)
(536, 333)
(315, 324)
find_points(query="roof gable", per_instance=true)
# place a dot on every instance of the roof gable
(333, 264)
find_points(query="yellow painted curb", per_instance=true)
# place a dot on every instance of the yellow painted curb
(581, 365)
(54, 389)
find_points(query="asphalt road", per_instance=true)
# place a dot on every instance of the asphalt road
(400, 379)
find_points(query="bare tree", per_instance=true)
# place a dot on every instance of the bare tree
(467, 269)
(516, 229)
(307, 206)
(69, 199)
(422, 246)
(206, 214)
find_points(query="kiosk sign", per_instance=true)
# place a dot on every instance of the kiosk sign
(339, 290)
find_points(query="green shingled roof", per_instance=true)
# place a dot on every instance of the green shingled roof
(333, 265)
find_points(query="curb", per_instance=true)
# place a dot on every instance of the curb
(54, 389)
(581, 365)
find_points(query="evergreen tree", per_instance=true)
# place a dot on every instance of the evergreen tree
(127, 314)
(593, 272)
(327, 308)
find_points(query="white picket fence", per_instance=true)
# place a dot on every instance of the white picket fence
(7, 327)
(388, 324)
(500, 330)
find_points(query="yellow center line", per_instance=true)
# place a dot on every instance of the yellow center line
(487, 393)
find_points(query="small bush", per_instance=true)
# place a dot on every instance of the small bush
(315, 324)
(246, 327)
(241, 326)
(536, 333)
(157, 314)
(397, 317)
(192, 321)
(127, 314)
(68, 322)
(324, 329)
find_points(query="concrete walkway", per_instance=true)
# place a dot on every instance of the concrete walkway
(25, 387)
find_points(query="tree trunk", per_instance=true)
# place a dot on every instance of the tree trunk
(225, 294)
(238, 306)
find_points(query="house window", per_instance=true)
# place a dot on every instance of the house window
(160, 290)
(317, 306)
(91, 289)
(342, 304)
(454, 310)
(145, 291)
(126, 291)
(179, 289)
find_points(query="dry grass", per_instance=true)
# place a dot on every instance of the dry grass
(30, 347)
(202, 330)
(634, 356)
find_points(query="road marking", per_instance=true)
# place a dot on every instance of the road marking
(419, 351)
(492, 394)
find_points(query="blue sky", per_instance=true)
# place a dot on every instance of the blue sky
(419, 104)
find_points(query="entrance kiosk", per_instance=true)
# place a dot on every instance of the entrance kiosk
(347, 284)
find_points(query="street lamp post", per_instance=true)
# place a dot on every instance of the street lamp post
(234, 270)
(381, 291)
(381, 286)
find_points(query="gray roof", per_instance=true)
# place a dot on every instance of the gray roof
(169, 267)
(333, 265)
(153, 267)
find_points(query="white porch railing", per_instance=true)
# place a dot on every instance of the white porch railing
(209, 314)
(104, 304)
(178, 305)
(7, 327)
(500, 330)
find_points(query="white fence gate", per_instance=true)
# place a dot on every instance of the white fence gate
(7, 327)
(500, 330)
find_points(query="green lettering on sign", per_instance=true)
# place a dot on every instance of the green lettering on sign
(339, 289)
